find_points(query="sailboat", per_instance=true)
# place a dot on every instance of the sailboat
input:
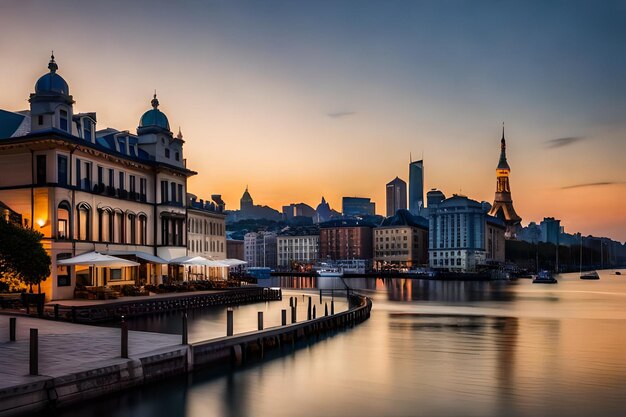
(589, 274)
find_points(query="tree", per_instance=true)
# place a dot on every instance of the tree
(22, 255)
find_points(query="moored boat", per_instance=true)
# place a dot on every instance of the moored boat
(544, 277)
(590, 275)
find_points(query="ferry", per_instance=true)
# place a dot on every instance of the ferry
(330, 272)
(544, 277)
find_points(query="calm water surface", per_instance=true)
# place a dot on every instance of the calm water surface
(429, 349)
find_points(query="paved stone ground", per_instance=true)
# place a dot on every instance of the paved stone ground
(66, 347)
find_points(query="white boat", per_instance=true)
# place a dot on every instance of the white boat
(330, 272)
(590, 275)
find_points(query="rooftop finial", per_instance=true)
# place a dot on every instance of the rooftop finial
(52, 65)
(180, 134)
(502, 130)
(155, 101)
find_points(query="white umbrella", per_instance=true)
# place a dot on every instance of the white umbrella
(98, 259)
(190, 261)
(234, 262)
(217, 264)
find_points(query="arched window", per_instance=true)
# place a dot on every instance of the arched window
(63, 220)
(143, 229)
(132, 228)
(121, 224)
(104, 224)
(83, 221)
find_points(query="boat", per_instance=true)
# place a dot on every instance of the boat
(590, 275)
(618, 273)
(544, 277)
(330, 272)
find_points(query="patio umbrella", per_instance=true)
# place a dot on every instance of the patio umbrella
(234, 262)
(98, 259)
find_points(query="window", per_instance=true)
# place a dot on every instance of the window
(63, 220)
(62, 169)
(87, 129)
(87, 177)
(84, 220)
(143, 229)
(63, 120)
(40, 120)
(111, 177)
(180, 193)
(63, 271)
(115, 274)
(104, 225)
(100, 175)
(177, 156)
(173, 192)
(41, 169)
(164, 231)
(167, 153)
(131, 179)
(122, 228)
(163, 191)
(122, 183)
(133, 228)
(142, 188)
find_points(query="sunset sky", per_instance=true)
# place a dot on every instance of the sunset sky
(304, 99)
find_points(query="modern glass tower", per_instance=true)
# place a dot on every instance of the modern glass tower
(396, 196)
(416, 186)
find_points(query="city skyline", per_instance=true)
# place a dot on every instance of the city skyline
(248, 92)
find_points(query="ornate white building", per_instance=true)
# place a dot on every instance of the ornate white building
(86, 189)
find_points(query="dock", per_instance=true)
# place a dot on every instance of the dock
(74, 362)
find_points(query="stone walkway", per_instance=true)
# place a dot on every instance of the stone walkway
(65, 348)
(82, 302)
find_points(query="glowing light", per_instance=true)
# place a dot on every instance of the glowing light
(41, 223)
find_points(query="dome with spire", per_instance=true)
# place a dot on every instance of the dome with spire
(154, 116)
(52, 82)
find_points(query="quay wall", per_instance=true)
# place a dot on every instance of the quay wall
(49, 392)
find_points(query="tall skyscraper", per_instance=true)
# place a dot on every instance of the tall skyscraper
(396, 196)
(416, 186)
(358, 206)
(503, 204)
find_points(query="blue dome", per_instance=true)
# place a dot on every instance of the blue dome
(52, 82)
(154, 117)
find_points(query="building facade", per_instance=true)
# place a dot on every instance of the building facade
(416, 187)
(86, 189)
(463, 237)
(358, 206)
(303, 250)
(346, 239)
(234, 249)
(401, 241)
(396, 196)
(206, 234)
(503, 203)
(260, 249)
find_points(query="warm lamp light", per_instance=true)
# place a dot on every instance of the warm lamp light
(41, 223)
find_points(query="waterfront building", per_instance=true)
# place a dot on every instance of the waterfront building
(416, 186)
(463, 237)
(396, 196)
(503, 203)
(260, 249)
(206, 231)
(301, 249)
(86, 189)
(346, 239)
(401, 241)
(358, 206)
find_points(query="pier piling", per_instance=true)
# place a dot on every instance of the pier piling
(185, 329)
(332, 307)
(325, 309)
(314, 313)
(260, 320)
(229, 322)
(12, 328)
(34, 352)
(320, 296)
(308, 311)
(124, 349)
(283, 315)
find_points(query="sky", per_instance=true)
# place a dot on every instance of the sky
(304, 99)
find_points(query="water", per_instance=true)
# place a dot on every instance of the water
(429, 349)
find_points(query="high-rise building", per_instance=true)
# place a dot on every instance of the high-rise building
(260, 249)
(550, 230)
(416, 186)
(396, 196)
(503, 203)
(358, 206)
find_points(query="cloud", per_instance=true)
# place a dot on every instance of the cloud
(340, 114)
(593, 184)
(560, 142)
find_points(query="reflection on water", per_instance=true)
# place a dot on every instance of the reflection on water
(433, 349)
